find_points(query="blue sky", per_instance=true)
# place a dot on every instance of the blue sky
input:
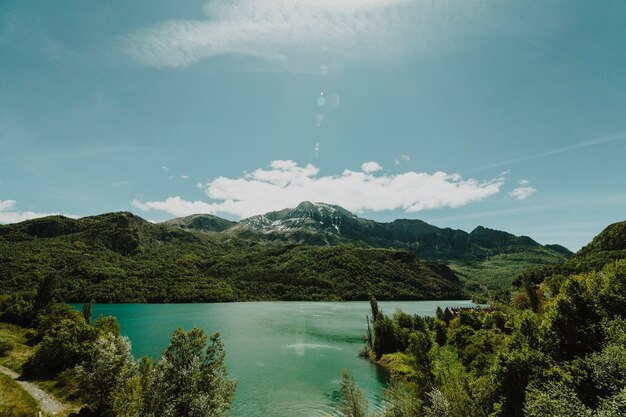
(461, 113)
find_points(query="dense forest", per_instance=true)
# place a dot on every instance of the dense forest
(556, 347)
(119, 257)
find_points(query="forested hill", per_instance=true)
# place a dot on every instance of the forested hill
(606, 247)
(119, 257)
(482, 257)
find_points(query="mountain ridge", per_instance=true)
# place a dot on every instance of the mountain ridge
(469, 254)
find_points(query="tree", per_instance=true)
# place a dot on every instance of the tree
(572, 324)
(107, 325)
(109, 365)
(16, 310)
(439, 313)
(531, 292)
(419, 346)
(87, 312)
(127, 398)
(439, 405)
(614, 406)
(385, 340)
(375, 310)
(609, 368)
(352, 401)
(190, 379)
(509, 376)
(66, 341)
(46, 292)
(555, 400)
(399, 401)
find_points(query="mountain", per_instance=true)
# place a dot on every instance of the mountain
(484, 257)
(120, 257)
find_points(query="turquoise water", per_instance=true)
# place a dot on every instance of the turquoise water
(287, 356)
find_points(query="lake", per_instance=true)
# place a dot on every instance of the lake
(287, 356)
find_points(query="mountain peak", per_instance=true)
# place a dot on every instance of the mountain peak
(201, 222)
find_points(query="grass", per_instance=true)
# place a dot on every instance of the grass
(14, 401)
(397, 364)
(20, 352)
(499, 271)
(64, 389)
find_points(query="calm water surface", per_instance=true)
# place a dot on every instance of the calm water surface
(287, 356)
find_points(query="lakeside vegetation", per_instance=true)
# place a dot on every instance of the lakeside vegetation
(557, 347)
(90, 366)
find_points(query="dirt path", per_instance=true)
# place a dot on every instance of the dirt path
(47, 402)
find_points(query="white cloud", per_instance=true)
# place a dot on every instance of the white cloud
(522, 193)
(8, 214)
(285, 184)
(165, 169)
(523, 183)
(199, 185)
(371, 166)
(184, 177)
(298, 33)
(175, 206)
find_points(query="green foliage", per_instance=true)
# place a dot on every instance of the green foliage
(438, 405)
(65, 341)
(418, 350)
(614, 406)
(554, 400)
(400, 401)
(127, 398)
(190, 379)
(609, 368)
(509, 376)
(566, 359)
(46, 292)
(107, 325)
(105, 372)
(573, 322)
(15, 310)
(352, 402)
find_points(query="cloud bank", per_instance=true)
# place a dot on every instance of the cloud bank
(8, 213)
(291, 32)
(286, 184)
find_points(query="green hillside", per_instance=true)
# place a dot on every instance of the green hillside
(119, 257)
(483, 258)
(608, 246)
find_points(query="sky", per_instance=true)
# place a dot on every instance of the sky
(507, 114)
